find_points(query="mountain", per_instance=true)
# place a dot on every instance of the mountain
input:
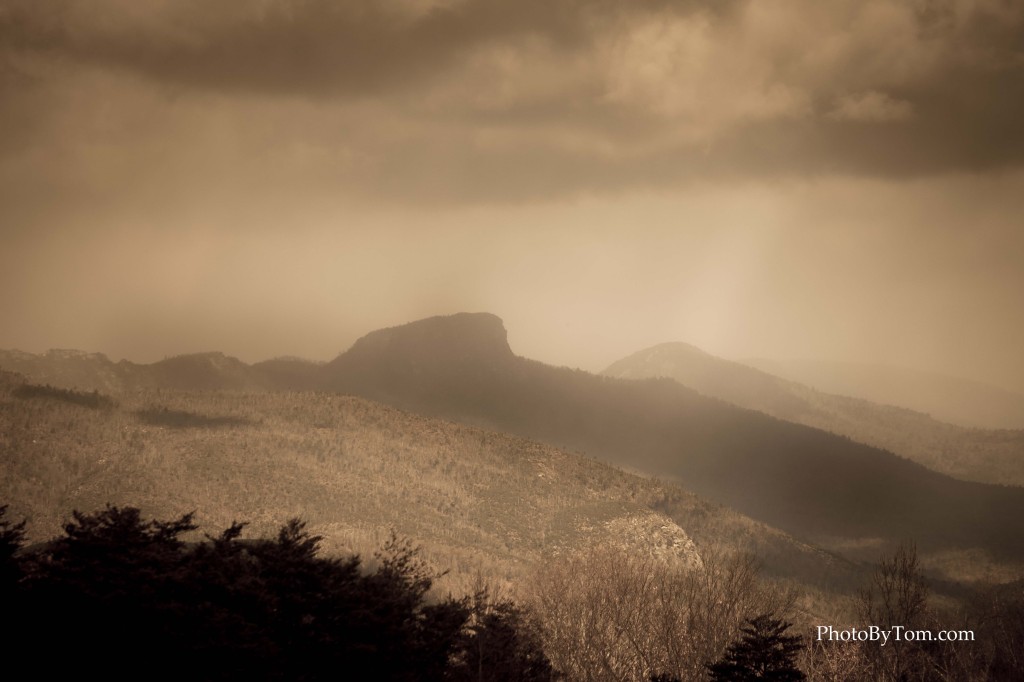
(818, 486)
(948, 399)
(479, 502)
(987, 456)
(198, 371)
(78, 370)
(808, 482)
(287, 373)
(67, 369)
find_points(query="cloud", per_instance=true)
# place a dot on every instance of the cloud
(484, 100)
(871, 106)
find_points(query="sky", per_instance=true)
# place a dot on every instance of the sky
(786, 179)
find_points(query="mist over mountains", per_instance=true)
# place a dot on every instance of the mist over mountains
(972, 454)
(816, 485)
(946, 398)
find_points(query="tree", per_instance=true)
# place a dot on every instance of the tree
(501, 643)
(11, 537)
(117, 590)
(763, 653)
(609, 614)
(897, 595)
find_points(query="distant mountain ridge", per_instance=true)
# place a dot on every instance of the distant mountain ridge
(815, 485)
(196, 371)
(946, 398)
(995, 456)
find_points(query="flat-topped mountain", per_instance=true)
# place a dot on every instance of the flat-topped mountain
(463, 338)
(995, 456)
(431, 366)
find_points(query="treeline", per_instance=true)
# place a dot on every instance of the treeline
(123, 598)
(128, 598)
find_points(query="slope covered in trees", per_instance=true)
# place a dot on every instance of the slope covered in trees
(478, 501)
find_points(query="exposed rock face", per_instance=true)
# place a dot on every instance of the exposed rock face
(654, 535)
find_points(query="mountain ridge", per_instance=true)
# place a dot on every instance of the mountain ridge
(988, 456)
(815, 485)
(956, 400)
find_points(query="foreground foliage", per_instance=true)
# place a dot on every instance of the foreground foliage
(612, 615)
(125, 598)
(764, 652)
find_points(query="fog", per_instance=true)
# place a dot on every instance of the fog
(799, 181)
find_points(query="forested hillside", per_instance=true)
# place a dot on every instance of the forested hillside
(477, 501)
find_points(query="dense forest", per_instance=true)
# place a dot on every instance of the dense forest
(121, 597)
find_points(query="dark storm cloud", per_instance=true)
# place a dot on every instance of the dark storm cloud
(309, 47)
(471, 100)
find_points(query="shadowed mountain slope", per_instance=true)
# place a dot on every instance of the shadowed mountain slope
(995, 456)
(805, 481)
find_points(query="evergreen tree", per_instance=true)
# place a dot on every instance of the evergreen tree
(500, 644)
(763, 653)
(126, 598)
(11, 537)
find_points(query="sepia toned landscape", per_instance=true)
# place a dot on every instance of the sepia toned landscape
(488, 340)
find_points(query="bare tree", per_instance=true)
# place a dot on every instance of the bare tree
(611, 615)
(835, 662)
(896, 596)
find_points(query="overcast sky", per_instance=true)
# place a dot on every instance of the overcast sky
(787, 179)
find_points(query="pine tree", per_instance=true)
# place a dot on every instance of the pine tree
(763, 653)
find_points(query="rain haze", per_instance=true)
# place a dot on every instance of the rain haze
(791, 179)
